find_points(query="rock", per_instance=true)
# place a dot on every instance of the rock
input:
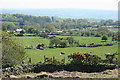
(12, 69)
(76, 77)
(42, 75)
(51, 76)
(13, 76)
(30, 76)
(58, 76)
(8, 69)
(107, 54)
(16, 68)
(7, 76)
(24, 66)
(62, 53)
(106, 72)
(3, 70)
(54, 47)
(20, 67)
(41, 48)
(91, 51)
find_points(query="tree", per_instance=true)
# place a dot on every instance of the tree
(97, 35)
(8, 26)
(104, 38)
(70, 40)
(30, 30)
(33, 30)
(49, 28)
(63, 44)
(55, 41)
(12, 52)
(44, 35)
(87, 33)
(102, 30)
(21, 33)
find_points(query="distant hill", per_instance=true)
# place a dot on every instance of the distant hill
(90, 14)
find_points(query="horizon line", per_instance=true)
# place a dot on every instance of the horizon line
(62, 8)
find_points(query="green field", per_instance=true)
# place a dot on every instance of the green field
(38, 55)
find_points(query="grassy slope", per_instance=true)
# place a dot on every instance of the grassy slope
(38, 55)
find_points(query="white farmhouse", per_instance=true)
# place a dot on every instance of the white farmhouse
(19, 30)
(59, 31)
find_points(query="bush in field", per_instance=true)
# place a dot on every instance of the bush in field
(77, 43)
(39, 45)
(52, 37)
(12, 52)
(104, 38)
(102, 30)
(87, 33)
(44, 35)
(55, 41)
(92, 59)
(21, 33)
(80, 58)
(77, 57)
(97, 35)
(63, 44)
(116, 38)
(70, 40)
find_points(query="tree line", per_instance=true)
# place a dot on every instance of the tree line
(48, 24)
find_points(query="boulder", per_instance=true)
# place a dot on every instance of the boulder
(62, 53)
(41, 48)
(42, 75)
(54, 47)
(13, 76)
(30, 76)
(20, 67)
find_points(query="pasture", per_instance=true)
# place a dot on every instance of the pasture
(38, 55)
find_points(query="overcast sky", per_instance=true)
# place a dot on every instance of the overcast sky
(86, 4)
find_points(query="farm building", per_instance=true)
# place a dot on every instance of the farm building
(19, 30)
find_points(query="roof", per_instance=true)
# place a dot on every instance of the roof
(58, 31)
(19, 30)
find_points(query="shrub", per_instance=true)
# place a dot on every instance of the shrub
(88, 59)
(39, 45)
(104, 38)
(44, 35)
(12, 52)
(77, 57)
(63, 44)
(55, 41)
(70, 40)
(97, 35)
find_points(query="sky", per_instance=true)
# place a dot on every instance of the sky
(85, 4)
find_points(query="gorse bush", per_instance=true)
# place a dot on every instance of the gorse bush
(84, 59)
(39, 45)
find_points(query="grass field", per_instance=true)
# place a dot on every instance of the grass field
(28, 41)
(38, 55)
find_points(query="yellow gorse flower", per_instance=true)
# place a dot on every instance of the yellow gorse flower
(79, 54)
